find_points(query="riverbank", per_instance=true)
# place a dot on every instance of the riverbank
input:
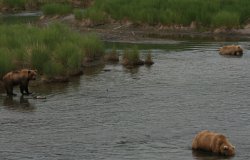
(150, 19)
(127, 31)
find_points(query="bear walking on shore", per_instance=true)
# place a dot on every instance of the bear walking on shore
(21, 78)
(213, 142)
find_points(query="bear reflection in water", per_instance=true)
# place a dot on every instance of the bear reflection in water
(205, 155)
(21, 105)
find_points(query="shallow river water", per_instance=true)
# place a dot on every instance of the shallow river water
(148, 113)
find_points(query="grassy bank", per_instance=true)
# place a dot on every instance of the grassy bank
(54, 50)
(49, 6)
(212, 13)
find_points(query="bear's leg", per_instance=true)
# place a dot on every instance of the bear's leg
(9, 90)
(24, 87)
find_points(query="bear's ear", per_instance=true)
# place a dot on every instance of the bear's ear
(225, 147)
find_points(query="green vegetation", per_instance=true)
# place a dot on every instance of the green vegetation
(13, 3)
(54, 50)
(79, 14)
(225, 18)
(131, 57)
(96, 15)
(112, 56)
(49, 6)
(230, 13)
(56, 9)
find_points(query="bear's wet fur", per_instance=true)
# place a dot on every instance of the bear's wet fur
(231, 50)
(213, 142)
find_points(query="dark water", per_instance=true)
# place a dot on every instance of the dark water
(18, 18)
(145, 113)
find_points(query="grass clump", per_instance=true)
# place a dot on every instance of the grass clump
(54, 50)
(112, 56)
(93, 47)
(131, 57)
(56, 9)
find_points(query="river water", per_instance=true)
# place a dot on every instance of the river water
(113, 113)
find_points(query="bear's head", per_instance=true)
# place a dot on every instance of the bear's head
(32, 74)
(239, 49)
(227, 149)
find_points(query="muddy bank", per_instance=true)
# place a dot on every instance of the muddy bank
(144, 33)
(126, 31)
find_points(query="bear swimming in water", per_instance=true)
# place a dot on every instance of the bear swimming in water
(231, 50)
(213, 142)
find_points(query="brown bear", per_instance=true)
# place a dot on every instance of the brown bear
(231, 50)
(21, 78)
(213, 142)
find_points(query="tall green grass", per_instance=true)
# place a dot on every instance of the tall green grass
(79, 14)
(54, 50)
(226, 12)
(56, 8)
(13, 3)
(24, 3)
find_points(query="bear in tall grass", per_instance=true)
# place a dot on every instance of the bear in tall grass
(21, 78)
(231, 50)
(213, 142)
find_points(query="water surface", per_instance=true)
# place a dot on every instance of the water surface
(145, 113)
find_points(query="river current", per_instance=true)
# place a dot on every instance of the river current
(114, 113)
